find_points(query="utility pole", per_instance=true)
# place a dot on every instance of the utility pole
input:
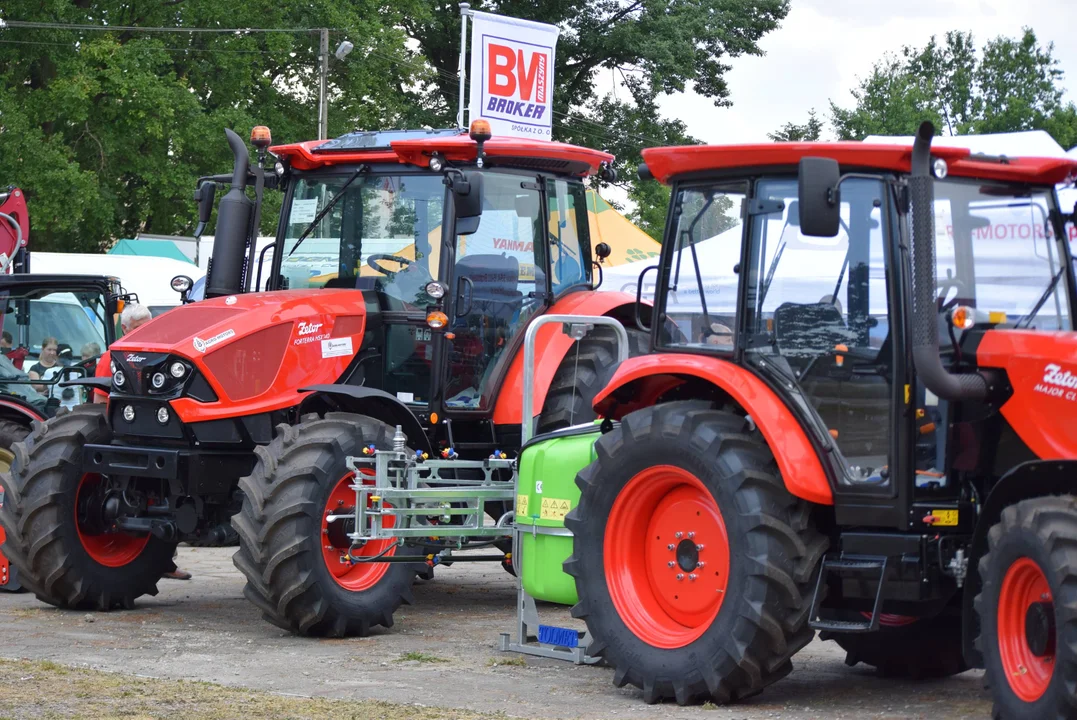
(323, 81)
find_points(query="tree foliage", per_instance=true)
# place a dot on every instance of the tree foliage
(1011, 85)
(107, 131)
(810, 131)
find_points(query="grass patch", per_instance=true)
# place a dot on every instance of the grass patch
(510, 661)
(421, 657)
(48, 690)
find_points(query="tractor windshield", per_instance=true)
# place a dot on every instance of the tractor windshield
(996, 250)
(383, 235)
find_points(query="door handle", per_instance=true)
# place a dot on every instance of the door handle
(461, 309)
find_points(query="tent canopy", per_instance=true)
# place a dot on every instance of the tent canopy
(149, 248)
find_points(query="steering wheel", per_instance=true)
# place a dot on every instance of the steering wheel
(945, 285)
(372, 263)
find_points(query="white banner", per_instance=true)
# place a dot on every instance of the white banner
(512, 75)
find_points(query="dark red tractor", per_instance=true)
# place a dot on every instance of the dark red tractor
(75, 314)
(866, 426)
(406, 267)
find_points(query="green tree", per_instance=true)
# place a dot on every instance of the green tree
(651, 46)
(810, 131)
(107, 131)
(1012, 86)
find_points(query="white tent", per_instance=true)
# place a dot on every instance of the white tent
(1027, 143)
(149, 277)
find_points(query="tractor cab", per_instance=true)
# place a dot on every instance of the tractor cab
(454, 239)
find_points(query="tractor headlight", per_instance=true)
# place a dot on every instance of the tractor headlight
(162, 415)
(177, 370)
(435, 289)
(118, 378)
(129, 413)
(158, 381)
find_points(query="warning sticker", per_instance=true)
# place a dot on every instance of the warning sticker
(554, 509)
(945, 518)
(521, 505)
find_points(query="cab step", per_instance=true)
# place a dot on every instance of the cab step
(875, 565)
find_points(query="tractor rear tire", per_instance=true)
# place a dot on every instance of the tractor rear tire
(59, 563)
(921, 649)
(693, 563)
(584, 371)
(294, 576)
(10, 433)
(1028, 610)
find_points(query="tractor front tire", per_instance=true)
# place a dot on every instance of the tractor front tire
(584, 371)
(693, 563)
(907, 647)
(1028, 610)
(294, 575)
(62, 562)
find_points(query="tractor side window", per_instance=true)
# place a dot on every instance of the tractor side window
(701, 297)
(569, 235)
(996, 250)
(499, 286)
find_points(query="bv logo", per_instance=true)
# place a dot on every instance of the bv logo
(516, 83)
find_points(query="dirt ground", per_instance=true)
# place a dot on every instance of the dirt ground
(441, 653)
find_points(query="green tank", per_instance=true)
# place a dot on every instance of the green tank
(546, 492)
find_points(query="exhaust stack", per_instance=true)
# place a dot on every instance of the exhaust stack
(925, 313)
(225, 275)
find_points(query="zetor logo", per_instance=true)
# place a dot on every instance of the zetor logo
(306, 328)
(516, 81)
(132, 358)
(1054, 375)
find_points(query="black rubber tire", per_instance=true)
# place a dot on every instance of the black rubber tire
(280, 540)
(580, 377)
(1044, 530)
(38, 516)
(10, 433)
(231, 539)
(774, 552)
(927, 648)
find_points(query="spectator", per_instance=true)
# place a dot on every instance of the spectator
(46, 361)
(90, 350)
(6, 341)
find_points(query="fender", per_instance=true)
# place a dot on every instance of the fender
(19, 411)
(1035, 478)
(647, 378)
(377, 404)
(551, 346)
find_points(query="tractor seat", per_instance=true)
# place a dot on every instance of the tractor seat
(494, 288)
(807, 331)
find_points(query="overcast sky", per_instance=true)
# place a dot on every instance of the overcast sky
(823, 46)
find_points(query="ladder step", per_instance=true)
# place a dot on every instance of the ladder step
(860, 565)
(841, 625)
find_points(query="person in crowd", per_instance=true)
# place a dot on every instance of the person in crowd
(6, 342)
(133, 316)
(46, 361)
(90, 350)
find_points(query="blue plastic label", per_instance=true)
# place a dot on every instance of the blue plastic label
(561, 637)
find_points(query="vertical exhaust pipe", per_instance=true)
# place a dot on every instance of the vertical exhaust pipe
(225, 276)
(925, 313)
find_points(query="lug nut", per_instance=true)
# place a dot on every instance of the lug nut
(670, 564)
(670, 546)
(701, 564)
(699, 547)
(691, 535)
(680, 576)
(693, 576)
(678, 535)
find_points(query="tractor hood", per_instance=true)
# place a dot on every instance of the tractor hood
(255, 350)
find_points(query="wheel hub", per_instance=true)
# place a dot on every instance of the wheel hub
(687, 556)
(1040, 629)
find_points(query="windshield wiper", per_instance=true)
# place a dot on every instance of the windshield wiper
(329, 206)
(1042, 301)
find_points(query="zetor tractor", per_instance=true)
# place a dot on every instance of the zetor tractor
(866, 427)
(78, 311)
(406, 268)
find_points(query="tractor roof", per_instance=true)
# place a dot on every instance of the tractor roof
(415, 147)
(667, 162)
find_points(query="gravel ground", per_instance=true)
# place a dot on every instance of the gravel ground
(442, 652)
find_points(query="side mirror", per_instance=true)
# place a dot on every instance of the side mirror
(182, 284)
(466, 187)
(204, 195)
(602, 251)
(818, 196)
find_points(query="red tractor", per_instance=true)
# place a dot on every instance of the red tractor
(866, 426)
(65, 320)
(406, 267)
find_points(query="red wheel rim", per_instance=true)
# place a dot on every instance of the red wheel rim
(1029, 675)
(111, 549)
(660, 608)
(360, 576)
